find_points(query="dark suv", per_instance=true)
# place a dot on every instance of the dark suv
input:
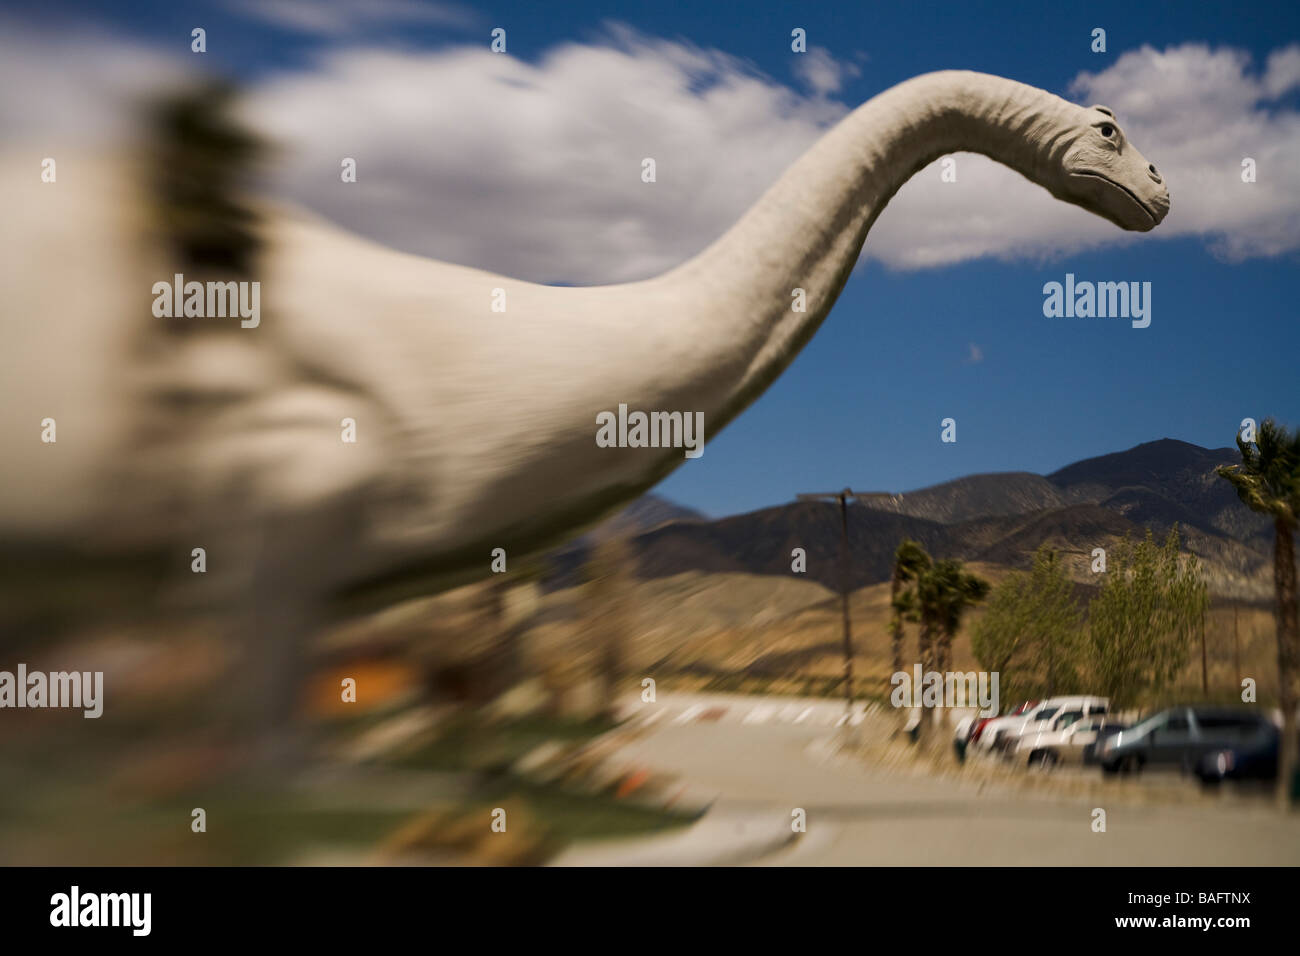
(1180, 737)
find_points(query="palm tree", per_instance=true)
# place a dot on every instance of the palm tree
(950, 591)
(936, 601)
(1268, 481)
(909, 561)
(941, 594)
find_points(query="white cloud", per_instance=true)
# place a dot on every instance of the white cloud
(821, 72)
(1283, 73)
(534, 169)
(340, 18)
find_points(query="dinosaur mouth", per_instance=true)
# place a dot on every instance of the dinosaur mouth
(1128, 192)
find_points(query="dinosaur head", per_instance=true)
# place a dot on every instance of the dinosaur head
(1102, 172)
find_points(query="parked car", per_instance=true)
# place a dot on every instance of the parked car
(998, 726)
(1040, 719)
(1181, 737)
(961, 735)
(1108, 729)
(1252, 759)
(983, 722)
(1064, 741)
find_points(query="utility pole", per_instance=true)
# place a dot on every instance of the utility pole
(1205, 675)
(843, 498)
(1236, 646)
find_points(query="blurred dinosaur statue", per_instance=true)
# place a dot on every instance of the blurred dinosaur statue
(475, 429)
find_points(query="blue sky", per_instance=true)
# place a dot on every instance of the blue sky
(905, 346)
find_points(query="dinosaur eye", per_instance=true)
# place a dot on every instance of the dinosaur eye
(1107, 129)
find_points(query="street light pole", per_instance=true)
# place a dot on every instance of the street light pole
(845, 583)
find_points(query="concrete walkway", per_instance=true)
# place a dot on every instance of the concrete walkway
(720, 838)
(756, 757)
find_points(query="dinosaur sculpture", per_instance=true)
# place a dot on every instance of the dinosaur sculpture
(475, 429)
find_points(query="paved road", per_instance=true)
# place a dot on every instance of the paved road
(763, 758)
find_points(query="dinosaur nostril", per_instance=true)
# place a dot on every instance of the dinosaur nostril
(1152, 168)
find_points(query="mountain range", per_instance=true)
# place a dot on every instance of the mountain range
(998, 518)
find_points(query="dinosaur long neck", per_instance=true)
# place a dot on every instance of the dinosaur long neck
(807, 231)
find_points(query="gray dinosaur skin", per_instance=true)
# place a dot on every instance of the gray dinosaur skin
(476, 430)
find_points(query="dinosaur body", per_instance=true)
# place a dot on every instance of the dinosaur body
(475, 429)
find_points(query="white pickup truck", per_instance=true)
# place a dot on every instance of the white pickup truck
(1063, 741)
(1004, 733)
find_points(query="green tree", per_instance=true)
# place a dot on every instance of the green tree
(950, 591)
(1142, 622)
(941, 594)
(1031, 633)
(909, 560)
(1268, 481)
